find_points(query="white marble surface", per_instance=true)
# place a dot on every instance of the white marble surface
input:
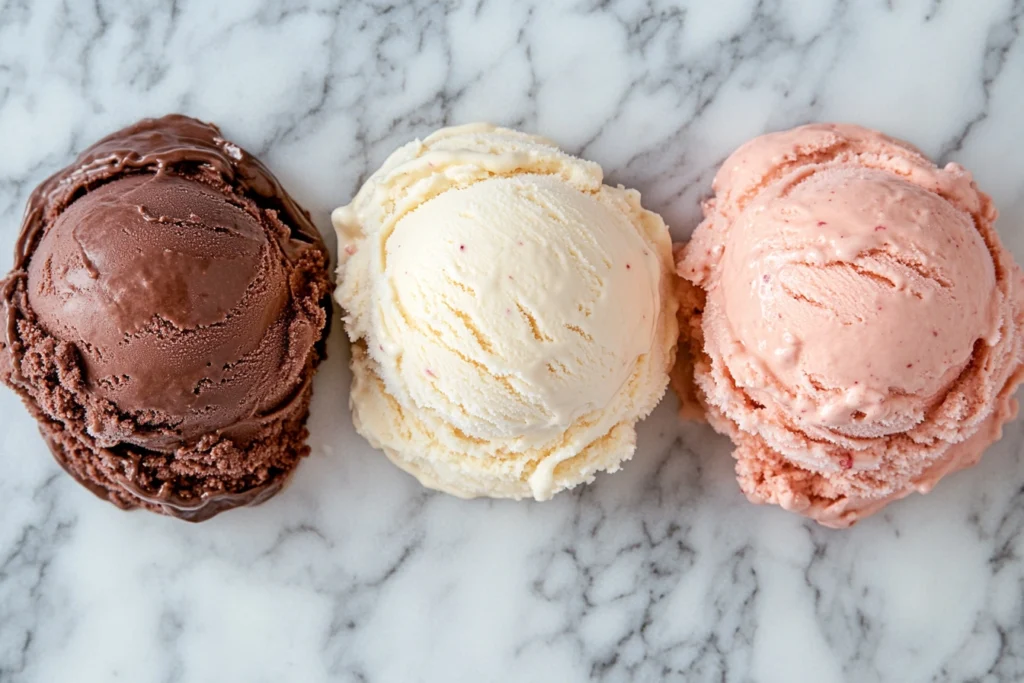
(661, 572)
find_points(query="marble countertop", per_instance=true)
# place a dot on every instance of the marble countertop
(660, 572)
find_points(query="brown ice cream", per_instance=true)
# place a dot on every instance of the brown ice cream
(164, 316)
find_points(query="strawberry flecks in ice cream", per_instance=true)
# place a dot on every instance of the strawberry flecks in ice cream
(853, 322)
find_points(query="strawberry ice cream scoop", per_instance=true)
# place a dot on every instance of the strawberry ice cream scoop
(855, 324)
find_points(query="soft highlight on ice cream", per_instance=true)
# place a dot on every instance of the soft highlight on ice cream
(512, 317)
(853, 321)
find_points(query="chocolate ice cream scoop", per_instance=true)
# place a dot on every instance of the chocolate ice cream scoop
(164, 318)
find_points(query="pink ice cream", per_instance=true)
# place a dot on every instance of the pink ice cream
(856, 325)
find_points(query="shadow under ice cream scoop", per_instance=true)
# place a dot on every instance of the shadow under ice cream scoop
(855, 323)
(164, 318)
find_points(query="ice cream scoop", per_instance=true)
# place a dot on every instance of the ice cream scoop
(512, 317)
(853, 320)
(164, 317)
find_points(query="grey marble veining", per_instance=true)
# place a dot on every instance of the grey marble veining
(660, 572)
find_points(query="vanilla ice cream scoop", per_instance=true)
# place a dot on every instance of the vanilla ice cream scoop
(512, 317)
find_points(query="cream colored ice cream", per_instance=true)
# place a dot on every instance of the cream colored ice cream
(858, 325)
(512, 317)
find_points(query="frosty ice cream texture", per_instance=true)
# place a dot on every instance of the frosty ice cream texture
(512, 317)
(164, 318)
(853, 321)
